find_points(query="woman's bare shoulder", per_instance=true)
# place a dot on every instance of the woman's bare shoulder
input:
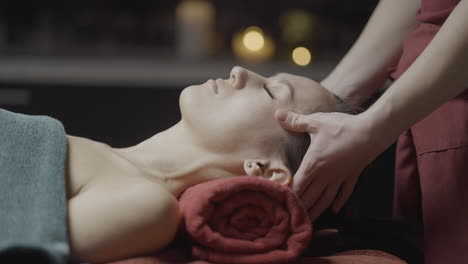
(86, 159)
(121, 219)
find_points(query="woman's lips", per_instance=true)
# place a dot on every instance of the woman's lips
(213, 85)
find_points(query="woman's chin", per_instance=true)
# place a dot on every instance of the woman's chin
(185, 99)
(189, 105)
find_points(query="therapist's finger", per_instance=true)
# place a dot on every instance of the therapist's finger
(312, 194)
(293, 121)
(305, 174)
(345, 192)
(324, 201)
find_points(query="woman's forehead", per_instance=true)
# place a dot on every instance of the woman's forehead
(298, 82)
(309, 93)
(295, 78)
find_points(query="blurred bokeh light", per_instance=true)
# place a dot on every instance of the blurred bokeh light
(253, 39)
(253, 45)
(301, 56)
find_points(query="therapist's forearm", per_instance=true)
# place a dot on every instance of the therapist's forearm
(439, 74)
(364, 68)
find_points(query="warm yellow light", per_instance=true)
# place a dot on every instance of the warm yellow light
(253, 39)
(301, 56)
(241, 51)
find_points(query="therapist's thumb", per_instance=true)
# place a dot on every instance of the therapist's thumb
(292, 121)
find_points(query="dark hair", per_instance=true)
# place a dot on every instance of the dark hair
(296, 145)
(348, 107)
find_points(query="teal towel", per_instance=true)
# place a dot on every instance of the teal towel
(33, 202)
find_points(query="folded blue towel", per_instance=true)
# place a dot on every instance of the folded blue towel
(33, 202)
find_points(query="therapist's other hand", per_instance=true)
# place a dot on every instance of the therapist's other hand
(341, 146)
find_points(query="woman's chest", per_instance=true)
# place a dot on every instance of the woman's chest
(92, 163)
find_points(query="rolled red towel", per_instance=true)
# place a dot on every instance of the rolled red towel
(245, 220)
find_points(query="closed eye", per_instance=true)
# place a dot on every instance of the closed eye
(268, 91)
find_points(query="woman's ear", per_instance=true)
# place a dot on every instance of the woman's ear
(272, 170)
(281, 176)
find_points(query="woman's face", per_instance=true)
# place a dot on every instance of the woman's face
(237, 114)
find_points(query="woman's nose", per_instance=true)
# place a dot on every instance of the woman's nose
(238, 77)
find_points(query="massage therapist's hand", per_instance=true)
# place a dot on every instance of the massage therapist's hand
(341, 146)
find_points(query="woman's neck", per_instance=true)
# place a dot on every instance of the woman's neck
(172, 156)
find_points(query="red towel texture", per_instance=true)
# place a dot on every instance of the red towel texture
(251, 220)
(245, 220)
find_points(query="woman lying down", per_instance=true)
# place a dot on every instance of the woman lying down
(122, 201)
